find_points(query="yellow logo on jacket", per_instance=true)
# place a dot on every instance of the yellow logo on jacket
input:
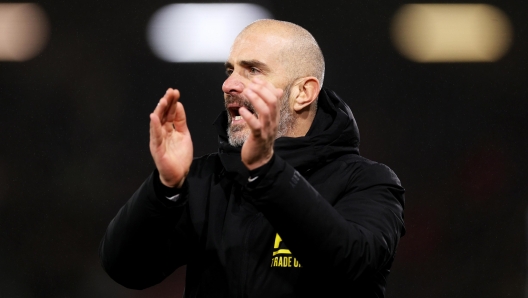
(282, 256)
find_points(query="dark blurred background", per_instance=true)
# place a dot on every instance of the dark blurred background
(74, 134)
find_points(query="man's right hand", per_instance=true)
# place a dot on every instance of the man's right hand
(170, 140)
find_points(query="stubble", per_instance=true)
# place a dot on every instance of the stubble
(238, 133)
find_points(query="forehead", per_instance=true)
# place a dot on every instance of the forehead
(259, 46)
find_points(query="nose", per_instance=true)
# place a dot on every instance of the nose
(233, 84)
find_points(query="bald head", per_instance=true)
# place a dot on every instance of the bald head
(300, 54)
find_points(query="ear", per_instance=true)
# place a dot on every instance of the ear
(307, 91)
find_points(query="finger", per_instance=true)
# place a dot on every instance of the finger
(264, 91)
(161, 108)
(261, 107)
(268, 85)
(180, 120)
(156, 135)
(174, 96)
(170, 101)
(254, 124)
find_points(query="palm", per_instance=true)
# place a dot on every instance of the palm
(170, 140)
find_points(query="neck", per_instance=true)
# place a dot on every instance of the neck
(302, 124)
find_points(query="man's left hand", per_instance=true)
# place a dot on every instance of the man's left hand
(258, 148)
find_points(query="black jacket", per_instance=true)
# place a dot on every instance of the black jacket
(320, 220)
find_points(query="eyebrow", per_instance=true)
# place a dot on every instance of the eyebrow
(250, 63)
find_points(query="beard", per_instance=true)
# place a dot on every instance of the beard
(238, 133)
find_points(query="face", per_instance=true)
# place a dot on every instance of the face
(254, 55)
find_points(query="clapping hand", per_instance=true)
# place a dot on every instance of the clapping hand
(258, 148)
(170, 140)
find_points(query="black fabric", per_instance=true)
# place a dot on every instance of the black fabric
(322, 220)
(166, 192)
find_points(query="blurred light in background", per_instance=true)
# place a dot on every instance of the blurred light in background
(451, 32)
(24, 31)
(199, 32)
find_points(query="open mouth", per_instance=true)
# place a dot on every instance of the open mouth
(235, 115)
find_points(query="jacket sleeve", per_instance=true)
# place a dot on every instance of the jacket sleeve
(145, 242)
(354, 236)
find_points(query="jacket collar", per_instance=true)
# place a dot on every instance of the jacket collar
(333, 133)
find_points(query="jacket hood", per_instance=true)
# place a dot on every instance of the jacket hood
(333, 133)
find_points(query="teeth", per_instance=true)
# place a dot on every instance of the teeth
(238, 117)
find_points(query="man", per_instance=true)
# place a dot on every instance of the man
(285, 208)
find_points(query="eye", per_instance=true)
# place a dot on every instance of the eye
(254, 70)
(229, 71)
